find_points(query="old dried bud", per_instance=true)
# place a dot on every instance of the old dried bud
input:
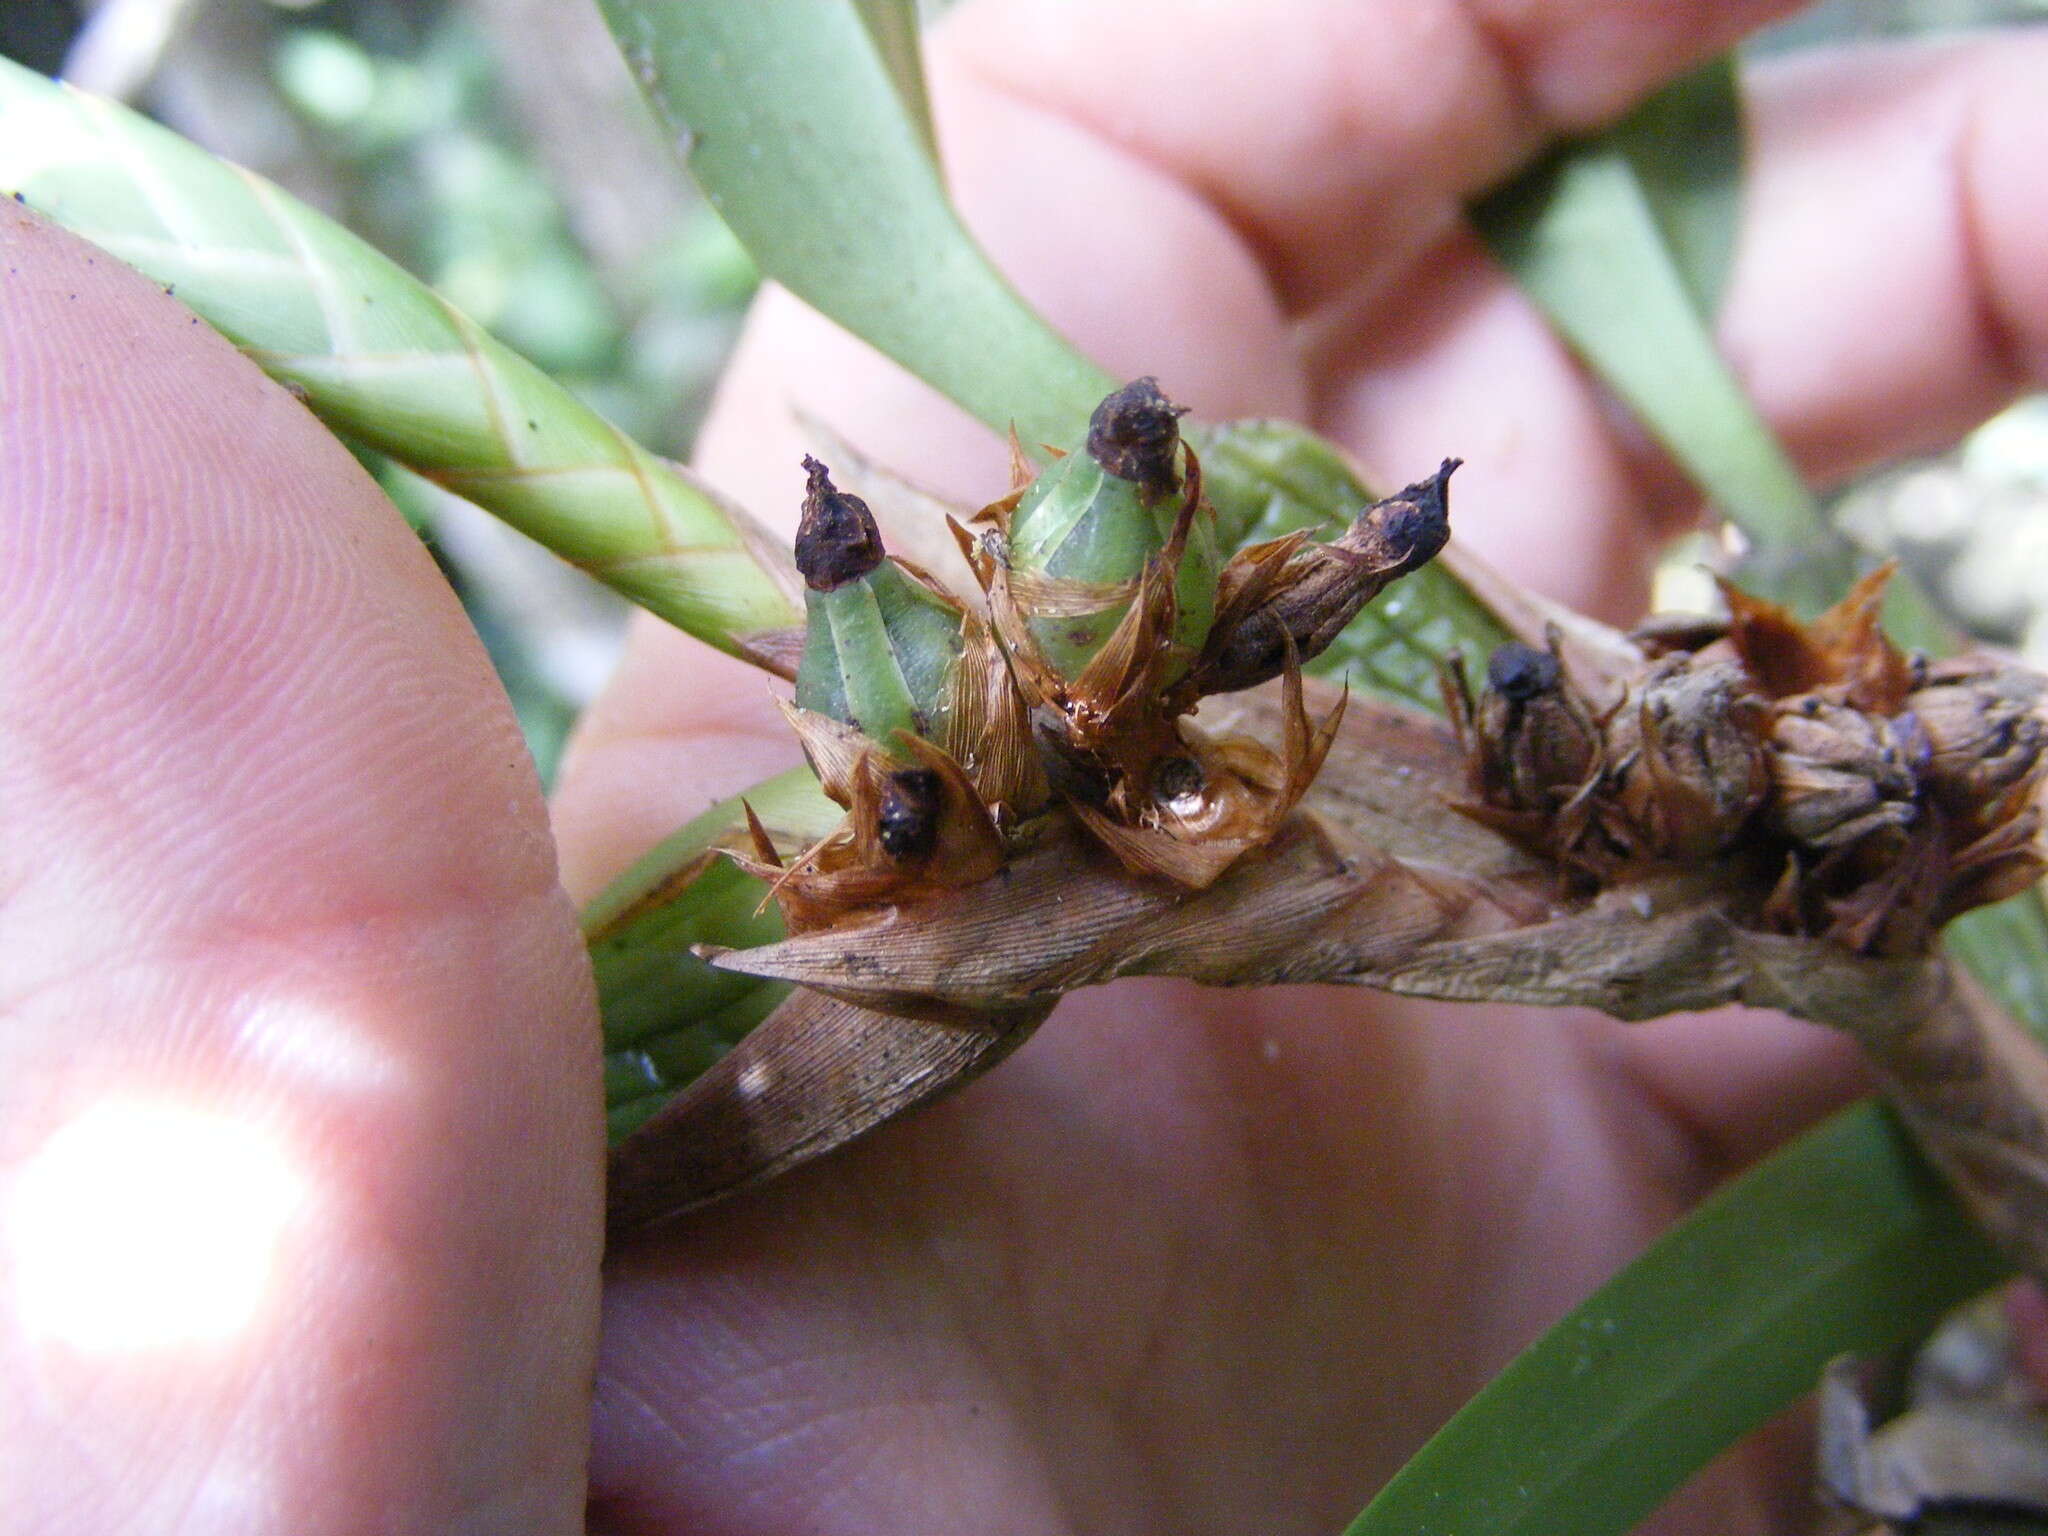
(1543, 746)
(1843, 775)
(1984, 733)
(1535, 756)
(1693, 763)
(1297, 592)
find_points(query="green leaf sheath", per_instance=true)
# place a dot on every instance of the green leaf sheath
(667, 1014)
(1268, 478)
(1079, 523)
(385, 361)
(795, 124)
(1845, 1241)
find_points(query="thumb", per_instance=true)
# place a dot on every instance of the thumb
(300, 1145)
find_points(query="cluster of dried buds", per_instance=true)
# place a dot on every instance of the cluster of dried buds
(949, 730)
(1873, 795)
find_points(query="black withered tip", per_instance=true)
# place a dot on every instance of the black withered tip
(1421, 522)
(1134, 432)
(908, 819)
(837, 541)
(1519, 673)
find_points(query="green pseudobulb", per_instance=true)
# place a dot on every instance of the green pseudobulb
(879, 646)
(1095, 518)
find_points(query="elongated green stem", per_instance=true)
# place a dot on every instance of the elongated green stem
(383, 360)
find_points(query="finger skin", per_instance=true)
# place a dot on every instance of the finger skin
(273, 855)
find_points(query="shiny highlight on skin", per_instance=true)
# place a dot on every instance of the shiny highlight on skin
(146, 1224)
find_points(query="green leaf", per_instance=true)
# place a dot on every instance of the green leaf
(667, 1014)
(893, 26)
(386, 362)
(1845, 1241)
(797, 123)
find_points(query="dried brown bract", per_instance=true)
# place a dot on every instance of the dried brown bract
(910, 833)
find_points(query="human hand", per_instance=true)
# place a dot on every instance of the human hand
(1189, 1259)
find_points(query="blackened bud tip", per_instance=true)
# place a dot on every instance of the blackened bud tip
(1519, 673)
(1134, 433)
(1414, 524)
(837, 540)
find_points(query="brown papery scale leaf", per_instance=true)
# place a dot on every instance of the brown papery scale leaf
(1843, 653)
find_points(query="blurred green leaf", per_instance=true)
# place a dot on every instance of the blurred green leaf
(798, 125)
(893, 24)
(1685, 146)
(2006, 948)
(1845, 1241)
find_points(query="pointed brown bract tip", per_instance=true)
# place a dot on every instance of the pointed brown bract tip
(837, 541)
(1134, 432)
(1845, 649)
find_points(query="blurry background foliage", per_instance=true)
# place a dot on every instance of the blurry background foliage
(498, 149)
